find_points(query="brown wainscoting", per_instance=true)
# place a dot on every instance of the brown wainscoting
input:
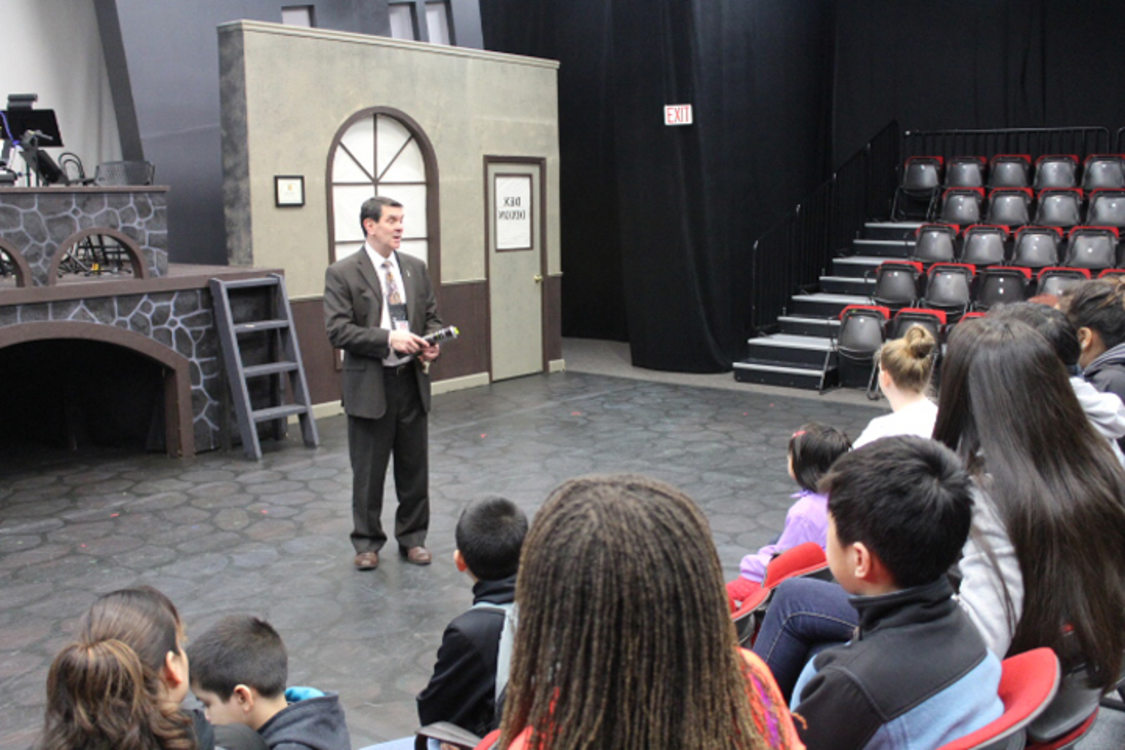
(465, 305)
(316, 351)
(552, 317)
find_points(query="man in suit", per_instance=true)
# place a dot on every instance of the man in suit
(378, 304)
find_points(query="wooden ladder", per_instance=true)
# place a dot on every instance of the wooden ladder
(258, 328)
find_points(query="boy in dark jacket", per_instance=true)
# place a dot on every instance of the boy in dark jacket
(462, 689)
(1097, 310)
(916, 673)
(238, 671)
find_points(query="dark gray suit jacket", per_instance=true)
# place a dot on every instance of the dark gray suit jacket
(353, 308)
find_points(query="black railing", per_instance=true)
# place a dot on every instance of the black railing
(1033, 141)
(1120, 140)
(796, 250)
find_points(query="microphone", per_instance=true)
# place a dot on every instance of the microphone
(35, 136)
(442, 334)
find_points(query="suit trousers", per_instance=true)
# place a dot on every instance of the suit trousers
(402, 432)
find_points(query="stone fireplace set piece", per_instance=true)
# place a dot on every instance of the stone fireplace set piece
(162, 311)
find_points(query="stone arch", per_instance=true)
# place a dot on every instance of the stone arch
(23, 271)
(132, 249)
(179, 437)
(429, 159)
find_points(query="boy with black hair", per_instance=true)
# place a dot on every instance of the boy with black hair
(463, 688)
(1097, 310)
(917, 673)
(238, 671)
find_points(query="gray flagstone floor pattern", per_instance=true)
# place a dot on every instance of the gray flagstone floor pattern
(220, 534)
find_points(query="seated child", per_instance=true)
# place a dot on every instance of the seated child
(462, 689)
(623, 641)
(917, 673)
(1097, 310)
(238, 671)
(1104, 409)
(812, 449)
(121, 682)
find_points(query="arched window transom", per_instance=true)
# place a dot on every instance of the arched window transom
(377, 154)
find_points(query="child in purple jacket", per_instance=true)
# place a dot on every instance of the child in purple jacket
(812, 449)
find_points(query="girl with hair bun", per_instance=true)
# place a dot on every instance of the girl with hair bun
(905, 367)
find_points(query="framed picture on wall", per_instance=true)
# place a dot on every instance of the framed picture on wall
(289, 190)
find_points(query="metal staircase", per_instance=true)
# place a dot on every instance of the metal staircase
(800, 354)
(262, 359)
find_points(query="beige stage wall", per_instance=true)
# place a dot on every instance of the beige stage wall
(287, 92)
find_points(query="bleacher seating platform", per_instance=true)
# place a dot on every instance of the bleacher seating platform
(800, 354)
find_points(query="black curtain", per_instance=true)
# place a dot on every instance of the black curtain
(951, 64)
(657, 221)
(578, 34)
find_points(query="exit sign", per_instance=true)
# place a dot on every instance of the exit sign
(677, 114)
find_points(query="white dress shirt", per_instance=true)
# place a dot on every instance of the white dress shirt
(393, 358)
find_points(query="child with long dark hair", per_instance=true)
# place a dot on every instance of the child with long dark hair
(1056, 488)
(1044, 555)
(1104, 409)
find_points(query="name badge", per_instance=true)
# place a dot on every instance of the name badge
(399, 320)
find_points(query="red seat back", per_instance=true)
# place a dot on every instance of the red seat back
(1028, 682)
(796, 561)
(885, 311)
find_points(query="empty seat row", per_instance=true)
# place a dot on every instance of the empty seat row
(883, 323)
(1093, 247)
(864, 328)
(1011, 206)
(1015, 170)
(956, 288)
(924, 176)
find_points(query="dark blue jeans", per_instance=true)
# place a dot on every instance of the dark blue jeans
(805, 616)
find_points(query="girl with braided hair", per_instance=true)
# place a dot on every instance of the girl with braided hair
(625, 640)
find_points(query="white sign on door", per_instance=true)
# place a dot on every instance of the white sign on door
(513, 212)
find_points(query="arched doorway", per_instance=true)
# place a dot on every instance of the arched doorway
(71, 382)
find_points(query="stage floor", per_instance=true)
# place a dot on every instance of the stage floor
(220, 534)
